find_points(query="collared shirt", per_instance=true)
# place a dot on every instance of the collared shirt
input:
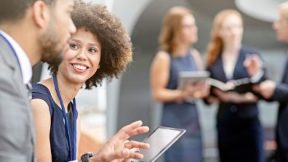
(25, 64)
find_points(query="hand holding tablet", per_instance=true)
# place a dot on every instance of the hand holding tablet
(193, 84)
(192, 77)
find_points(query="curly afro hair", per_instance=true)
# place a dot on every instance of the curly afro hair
(116, 46)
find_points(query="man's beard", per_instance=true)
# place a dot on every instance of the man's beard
(51, 50)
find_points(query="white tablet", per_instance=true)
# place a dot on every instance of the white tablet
(160, 140)
(190, 77)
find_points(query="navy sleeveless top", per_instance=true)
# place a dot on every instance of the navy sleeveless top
(178, 64)
(58, 140)
(182, 115)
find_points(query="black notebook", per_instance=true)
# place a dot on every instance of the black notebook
(231, 85)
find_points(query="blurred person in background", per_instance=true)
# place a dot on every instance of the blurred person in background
(176, 54)
(273, 91)
(99, 49)
(239, 132)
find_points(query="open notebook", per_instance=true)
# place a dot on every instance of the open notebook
(229, 85)
(191, 77)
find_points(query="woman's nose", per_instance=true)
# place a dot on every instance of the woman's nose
(81, 55)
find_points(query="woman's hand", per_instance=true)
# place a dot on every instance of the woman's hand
(266, 88)
(253, 64)
(196, 90)
(234, 97)
(119, 148)
(212, 100)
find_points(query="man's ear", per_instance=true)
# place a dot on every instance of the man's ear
(41, 14)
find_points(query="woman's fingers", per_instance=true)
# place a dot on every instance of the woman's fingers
(136, 144)
(126, 154)
(132, 129)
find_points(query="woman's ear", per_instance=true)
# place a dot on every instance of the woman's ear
(41, 14)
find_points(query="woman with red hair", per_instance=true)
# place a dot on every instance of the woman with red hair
(240, 134)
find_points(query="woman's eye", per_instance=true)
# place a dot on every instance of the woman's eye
(93, 50)
(73, 46)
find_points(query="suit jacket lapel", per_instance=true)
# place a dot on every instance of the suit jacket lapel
(285, 77)
(7, 55)
(9, 58)
(220, 67)
(238, 65)
(239, 70)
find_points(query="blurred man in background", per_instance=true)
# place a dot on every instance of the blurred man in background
(279, 92)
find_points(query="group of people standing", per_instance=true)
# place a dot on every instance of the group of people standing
(240, 136)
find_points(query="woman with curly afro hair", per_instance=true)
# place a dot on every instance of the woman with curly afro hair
(99, 49)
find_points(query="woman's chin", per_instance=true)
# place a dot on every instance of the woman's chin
(78, 80)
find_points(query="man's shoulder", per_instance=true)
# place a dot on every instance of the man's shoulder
(6, 54)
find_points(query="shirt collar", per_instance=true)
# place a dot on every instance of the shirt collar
(25, 64)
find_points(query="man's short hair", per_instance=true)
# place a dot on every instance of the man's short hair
(284, 9)
(15, 9)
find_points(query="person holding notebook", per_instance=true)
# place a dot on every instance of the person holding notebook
(239, 131)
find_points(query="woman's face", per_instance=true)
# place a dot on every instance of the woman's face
(81, 57)
(189, 30)
(231, 29)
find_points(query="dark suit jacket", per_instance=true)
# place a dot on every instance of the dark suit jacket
(281, 95)
(16, 126)
(217, 72)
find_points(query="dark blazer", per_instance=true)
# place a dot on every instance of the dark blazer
(16, 126)
(239, 132)
(217, 72)
(281, 95)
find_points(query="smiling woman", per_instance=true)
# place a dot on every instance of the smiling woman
(99, 49)
(81, 58)
(116, 47)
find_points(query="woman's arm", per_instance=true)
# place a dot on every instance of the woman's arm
(42, 120)
(159, 75)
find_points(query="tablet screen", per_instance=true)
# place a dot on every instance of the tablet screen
(190, 77)
(160, 140)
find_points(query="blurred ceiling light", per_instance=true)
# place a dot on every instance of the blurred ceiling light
(265, 10)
